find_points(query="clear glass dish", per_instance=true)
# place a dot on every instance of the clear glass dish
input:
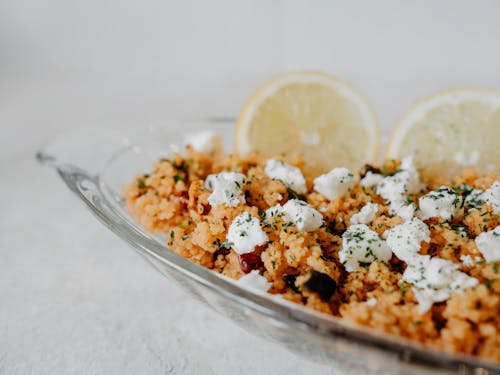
(95, 163)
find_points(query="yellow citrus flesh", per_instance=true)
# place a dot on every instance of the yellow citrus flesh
(451, 130)
(313, 114)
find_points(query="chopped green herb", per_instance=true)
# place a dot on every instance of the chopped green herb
(227, 245)
(180, 166)
(141, 183)
(293, 195)
(403, 288)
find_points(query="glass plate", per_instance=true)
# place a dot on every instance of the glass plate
(95, 163)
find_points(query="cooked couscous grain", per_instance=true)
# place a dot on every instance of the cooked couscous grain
(304, 266)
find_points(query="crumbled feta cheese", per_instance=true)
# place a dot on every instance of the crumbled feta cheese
(273, 213)
(204, 141)
(491, 196)
(475, 199)
(298, 212)
(361, 245)
(405, 239)
(335, 183)
(415, 184)
(466, 260)
(435, 280)
(371, 302)
(254, 280)
(366, 215)
(488, 244)
(291, 176)
(443, 203)
(245, 233)
(395, 189)
(371, 179)
(406, 212)
(304, 216)
(226, 188)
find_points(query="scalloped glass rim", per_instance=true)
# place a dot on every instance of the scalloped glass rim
(91, 161)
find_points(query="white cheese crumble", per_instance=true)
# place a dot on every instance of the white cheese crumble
(204, 141)
(466, 260)
(361, 245)
(371, 302)
(405, 239)
(491, 196)
(291, 176)
(443, 203)
(304, 216)
(245, 233)
(415, 184)
(434, 280)
(371, 179)
(366, 215)
(226, 188)
(475, 199)
(273, 213)
(406, 212)
(488, 244)
(396, 188)
(254, 280)
(335, 183)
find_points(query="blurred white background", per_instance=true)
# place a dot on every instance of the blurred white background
(70, 63)
(73, 299)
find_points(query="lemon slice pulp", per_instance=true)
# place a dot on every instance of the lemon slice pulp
(452, 129)
(317, 115)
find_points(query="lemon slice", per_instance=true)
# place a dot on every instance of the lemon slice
(452, 129)
(317, 115)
